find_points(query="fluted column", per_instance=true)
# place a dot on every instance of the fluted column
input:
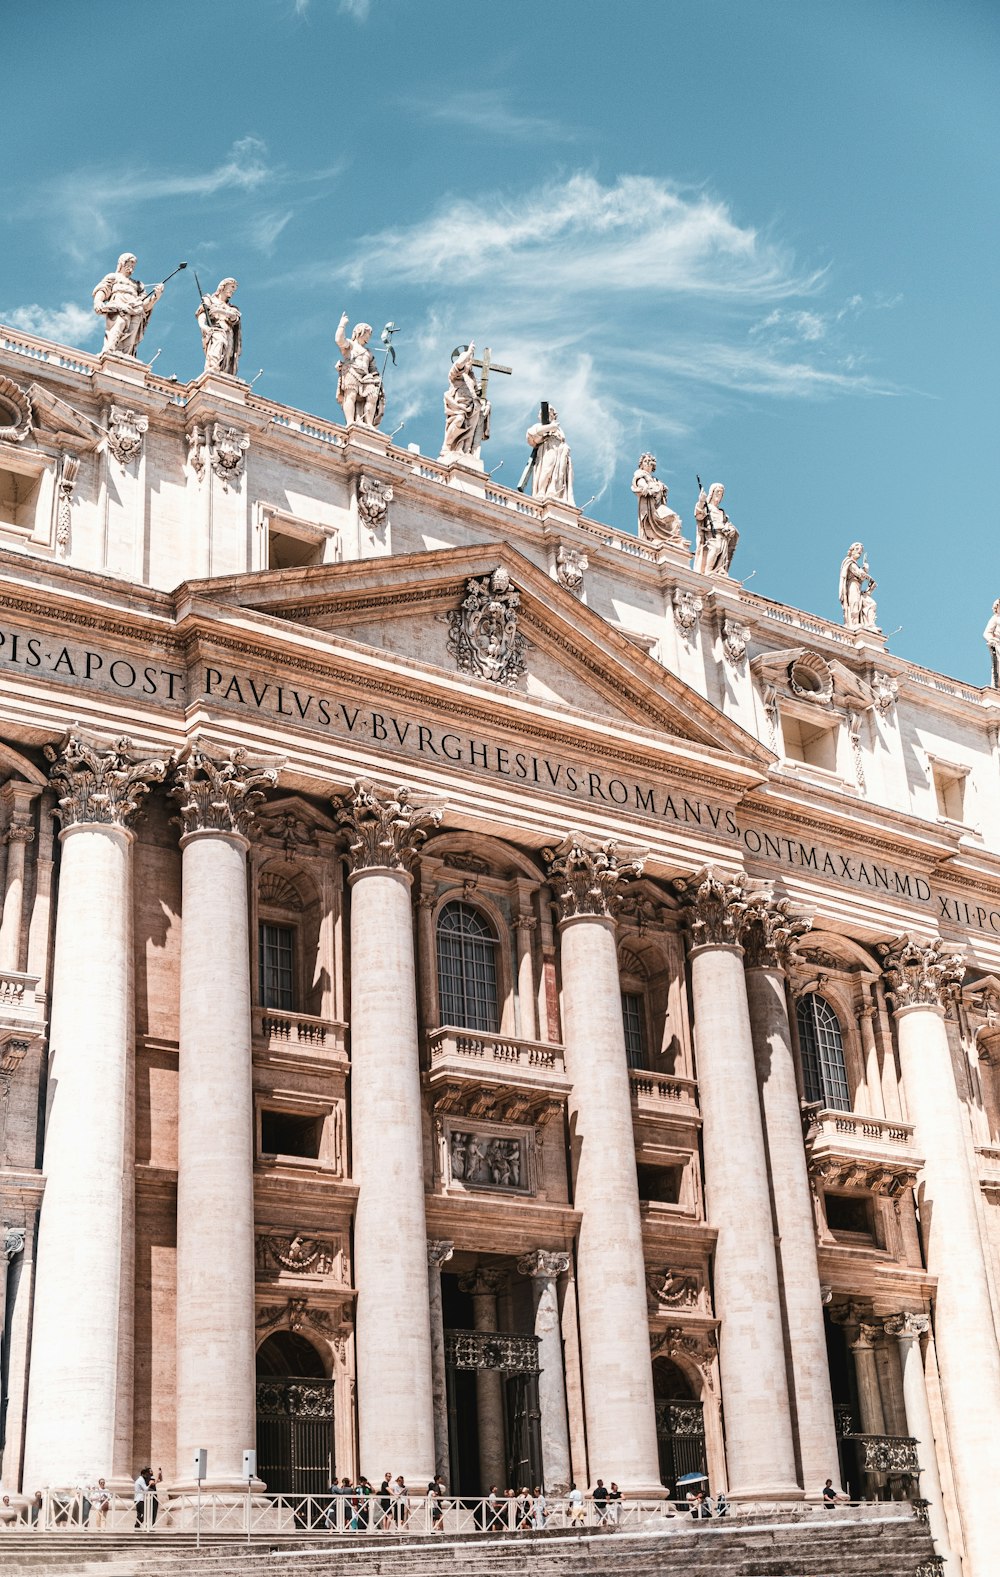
(921, 977)
(768, 930)
(759, 1446)
(17, 837)
(216, 1343)
(484, 1285)
(545, 1268)
(908, 1329)
(525, 926)
(79, 1383)
(393, 1332)
(611, 1278)
(438, 1254)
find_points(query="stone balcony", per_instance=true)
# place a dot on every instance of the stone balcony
(495, 1075)
(853, 1151)
(662, 1095)
(22, 1017)
(299, 1034)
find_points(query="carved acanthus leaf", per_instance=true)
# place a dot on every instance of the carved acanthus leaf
(769, 931)
(220, 796)
(587, 877)
(543, 1264)
(383, 830)
(100, 784)
(920, 974)
(716, 905)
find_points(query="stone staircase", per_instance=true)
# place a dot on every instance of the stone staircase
(807, 1544)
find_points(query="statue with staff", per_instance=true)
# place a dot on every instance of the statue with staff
(466, 406)
(360, 385)
(125, 307)
(991, 635)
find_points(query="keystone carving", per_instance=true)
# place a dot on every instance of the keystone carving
(920, 974)
(543, 1264)
(383, 831)
(220, 796)
(769, 932)
(677, 1341)
(102, 785)
(125, 430)
(483, 636)
(588, 878)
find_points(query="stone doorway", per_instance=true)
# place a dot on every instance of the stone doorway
(494, 1433)
(680, 1423)
(295, 1454)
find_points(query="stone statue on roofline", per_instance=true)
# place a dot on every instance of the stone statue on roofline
(360, 390)
(552, 462)
(991, 635)
(717, 536)
(120, 300)
(221, 329)
(855, 591)
(657, 522)
(466, 412)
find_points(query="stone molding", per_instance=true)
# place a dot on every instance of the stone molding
(920, 974)
(889, 1179)
(384, 831)
(588, 877)
(220, 796)
(543, 1264)
(102, 785)
(295, 1313)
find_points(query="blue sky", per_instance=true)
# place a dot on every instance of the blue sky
(759, 238)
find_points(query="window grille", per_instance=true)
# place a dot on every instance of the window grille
(467, 969)
(277, 967)
(822, 1044)
(634, 1016)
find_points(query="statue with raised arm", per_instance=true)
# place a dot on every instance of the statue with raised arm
(552, 470)
(855, 590)
(466, 412)
(717, 536)
(221, 329)
(656, 522)
(991, 635)
(120, 301)
(359, 384)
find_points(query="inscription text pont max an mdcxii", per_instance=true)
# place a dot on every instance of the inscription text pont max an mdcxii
(84, 666)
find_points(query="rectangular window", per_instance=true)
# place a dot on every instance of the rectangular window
(812, 743)
(634, 1015)
(949, 790)
(276, 963)
(286, 1133)
(850, 1214)
(661, 1185)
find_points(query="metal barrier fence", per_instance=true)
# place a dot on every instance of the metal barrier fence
(346, 1512)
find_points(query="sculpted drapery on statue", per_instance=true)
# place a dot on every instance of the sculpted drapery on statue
(102, 785)
(466, 412)
(717, 536)
(920, 974)
(588, 877)
(552, 471)
(221, 329)
(855, 590)
(220, 796)
(120, 301)
(656, 521)
(991, 635)
(360, 390)
(384, 831)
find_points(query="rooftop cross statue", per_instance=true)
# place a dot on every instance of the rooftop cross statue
(466, 406)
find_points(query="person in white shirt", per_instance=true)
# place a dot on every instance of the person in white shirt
(575, 1499)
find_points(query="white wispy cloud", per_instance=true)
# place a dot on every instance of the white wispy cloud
(265, 228)
(490, 112)
(70, 324)
(358, 9)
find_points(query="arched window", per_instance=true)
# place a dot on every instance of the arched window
(822, 1044)
(467, 969)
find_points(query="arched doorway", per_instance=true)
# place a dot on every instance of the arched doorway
(294, 1417)
(680, 1423)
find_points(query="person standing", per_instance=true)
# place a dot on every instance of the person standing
(614, 1504)
(575, 1502)
(385, 1501)
(139, 1489)
(599, 1495)
(100, 1505)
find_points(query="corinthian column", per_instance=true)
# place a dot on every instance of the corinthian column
(921, 978)
(908, 1329)
(545, 1268)
(216, 1405)
(611, 1276)
(768, 931)
(438, 1254)
(80, 1380)
(759, 1447)
(393, 1336)
(483, 1285)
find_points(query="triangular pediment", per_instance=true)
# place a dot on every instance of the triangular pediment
(407, 606)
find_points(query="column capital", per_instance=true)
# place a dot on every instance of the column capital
(220, 795)
(13, 1242)
(439, 1252)
(769, 930)
(543, 1264)
(18, 832)
(907, 1327)
(867, 1336)
(716, 905)
(588, 877)
(384, 830)
(920, 973)
(99, 784)
(484, 1282)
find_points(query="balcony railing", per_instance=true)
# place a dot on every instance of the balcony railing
(479, 1051)
(298, 1032)
(663, 1095)
(886, 1453)
(853, 1128)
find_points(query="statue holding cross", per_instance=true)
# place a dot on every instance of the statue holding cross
(466, 407)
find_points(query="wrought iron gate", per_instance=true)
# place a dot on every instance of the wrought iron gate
(515, 1356)
(680, 1436)
(295, 1435)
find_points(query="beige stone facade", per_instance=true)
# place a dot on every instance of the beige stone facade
(460, 1015)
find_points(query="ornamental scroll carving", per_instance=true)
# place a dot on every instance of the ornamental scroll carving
(220, 796)
(491, 1350)
(679, 1342)
(228, 452)
(687, 607)
(544, 1264)
(588, 878)
(374, 498)
(295, 1313)
(384, 831)
(125, 430)
(15, 412)
(769, 931)
(483, 636)
(13, 1242)
(907, 1327)
(920, 974)
(104, 785)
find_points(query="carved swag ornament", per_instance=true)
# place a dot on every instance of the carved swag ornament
(483, 636)
(99, 784)
(384, 831)
(588, 878)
